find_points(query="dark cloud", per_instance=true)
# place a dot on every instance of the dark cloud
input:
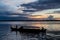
(42, 5)
(13, 16)
(55, 1)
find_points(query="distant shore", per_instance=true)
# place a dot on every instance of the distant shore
(29, 20)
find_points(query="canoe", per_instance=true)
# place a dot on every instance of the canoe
(21, 29)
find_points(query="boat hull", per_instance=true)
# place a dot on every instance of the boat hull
(30, 30)
(21, 29)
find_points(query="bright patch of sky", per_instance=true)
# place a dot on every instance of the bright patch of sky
(48, 11)
(11, 5)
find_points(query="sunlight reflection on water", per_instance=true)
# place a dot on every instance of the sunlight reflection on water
(6, 34)
(48, 25)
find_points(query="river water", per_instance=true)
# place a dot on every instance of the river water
(6, 34)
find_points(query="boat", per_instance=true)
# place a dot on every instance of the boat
(14, 28)
(30, 30)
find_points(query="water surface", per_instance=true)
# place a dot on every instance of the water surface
(6, 34)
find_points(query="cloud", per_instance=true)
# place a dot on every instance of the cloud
(11, 5)
(42, 5)
(14, 5)
(47, 11)
(49, 1)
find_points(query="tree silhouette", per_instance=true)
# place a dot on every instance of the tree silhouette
(50, 17)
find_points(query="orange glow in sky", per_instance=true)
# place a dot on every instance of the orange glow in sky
(37, 16)
(43, 16)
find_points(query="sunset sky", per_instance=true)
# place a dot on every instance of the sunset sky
(31, 10)
(47, 7)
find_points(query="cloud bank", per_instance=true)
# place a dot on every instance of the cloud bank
(39, 5)
(12, 5)
(42, 5)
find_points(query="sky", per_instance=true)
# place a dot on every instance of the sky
(46, 7)
(38, 9)
(12, 5)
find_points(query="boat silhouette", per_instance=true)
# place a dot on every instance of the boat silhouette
(31, 30)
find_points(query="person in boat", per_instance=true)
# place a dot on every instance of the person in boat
(21, 27)
(43, 31)
(16, 27)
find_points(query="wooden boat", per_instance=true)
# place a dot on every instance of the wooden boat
(31, 30)
(14, 28)
(21, 29)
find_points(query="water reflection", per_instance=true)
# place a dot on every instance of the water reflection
(24, 36)
(6, 34)
(51, 26)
